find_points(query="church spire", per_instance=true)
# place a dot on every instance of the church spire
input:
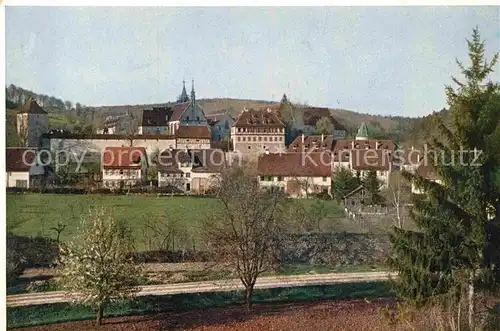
(193, 96)
(184, 96)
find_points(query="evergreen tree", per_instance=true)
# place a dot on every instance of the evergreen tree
(372, 185)
(344, 182)
(454, 253)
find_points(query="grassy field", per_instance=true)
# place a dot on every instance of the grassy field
(55, 313)
(35, 214)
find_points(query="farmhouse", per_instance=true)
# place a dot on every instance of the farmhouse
(298, 174)
(123, 166)
(23, 167)
(258, 131)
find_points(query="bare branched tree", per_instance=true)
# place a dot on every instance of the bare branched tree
(247, 233)
(398, 194)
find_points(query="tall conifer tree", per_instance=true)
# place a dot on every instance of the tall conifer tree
(454, 254)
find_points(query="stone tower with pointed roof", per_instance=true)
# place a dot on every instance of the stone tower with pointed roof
(184, 96)
(362, 132)
(32, 122)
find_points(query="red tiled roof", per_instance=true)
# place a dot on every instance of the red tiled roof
(193, 131)
(371, 159)
(258, 118)
(311, 143)
(178, 109)
(15, 162)
(363, 144)
(31, 107)
(295, 164)
(123, 157)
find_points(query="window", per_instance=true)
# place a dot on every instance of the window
(280, 178)
(121, 172)
(198, 118)
(188, 175)
(182, 174)
(249, 147)
(260, 138)
(187, 118)
(22, 183)
(244, 138)
(265, 138)
(254, 138)
(261, 177)
(324, 179)
(238, 139)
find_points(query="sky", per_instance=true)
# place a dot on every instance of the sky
(377, 60)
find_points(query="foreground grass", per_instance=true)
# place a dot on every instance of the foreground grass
(36, 214)
(64, 312)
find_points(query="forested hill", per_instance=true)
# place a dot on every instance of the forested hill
(75, 116)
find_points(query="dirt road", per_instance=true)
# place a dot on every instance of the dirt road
(212, 286)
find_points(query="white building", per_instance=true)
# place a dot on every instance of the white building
(123, 166)
(220, 125)
(32, 122)
(297, 174)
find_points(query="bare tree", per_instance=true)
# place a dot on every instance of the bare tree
(246, 234)
(22, 129)
(398, 193)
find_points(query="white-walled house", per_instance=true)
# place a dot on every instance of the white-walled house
(19, 161)
(193, 171)
(297, 174)
(192, 137)
(123, 166)
(32, 122)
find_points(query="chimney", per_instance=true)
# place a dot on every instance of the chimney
(352, 144)
(412, 147)
(267, 151)
(322, 138)
(302, 138)
(377, 145)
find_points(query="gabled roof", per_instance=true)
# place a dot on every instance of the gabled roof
(31, 107)
(193, 131)
(295, 164)
(178, 109)
(316, 142)
(14, 159)
(123, 157)
(261, 118)
(158, 116)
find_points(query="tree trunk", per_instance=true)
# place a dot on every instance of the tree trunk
(471, 301)
(100, 311)
(248, 297)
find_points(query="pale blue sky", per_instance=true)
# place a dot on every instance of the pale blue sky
(379, 60)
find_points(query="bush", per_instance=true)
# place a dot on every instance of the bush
(32, 252)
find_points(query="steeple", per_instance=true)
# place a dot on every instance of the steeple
(362, 132)
(184, 96)
(193, 97)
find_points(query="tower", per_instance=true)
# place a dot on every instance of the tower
(193, 102)
(362, 132)
(183, 97)
(32, 122)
